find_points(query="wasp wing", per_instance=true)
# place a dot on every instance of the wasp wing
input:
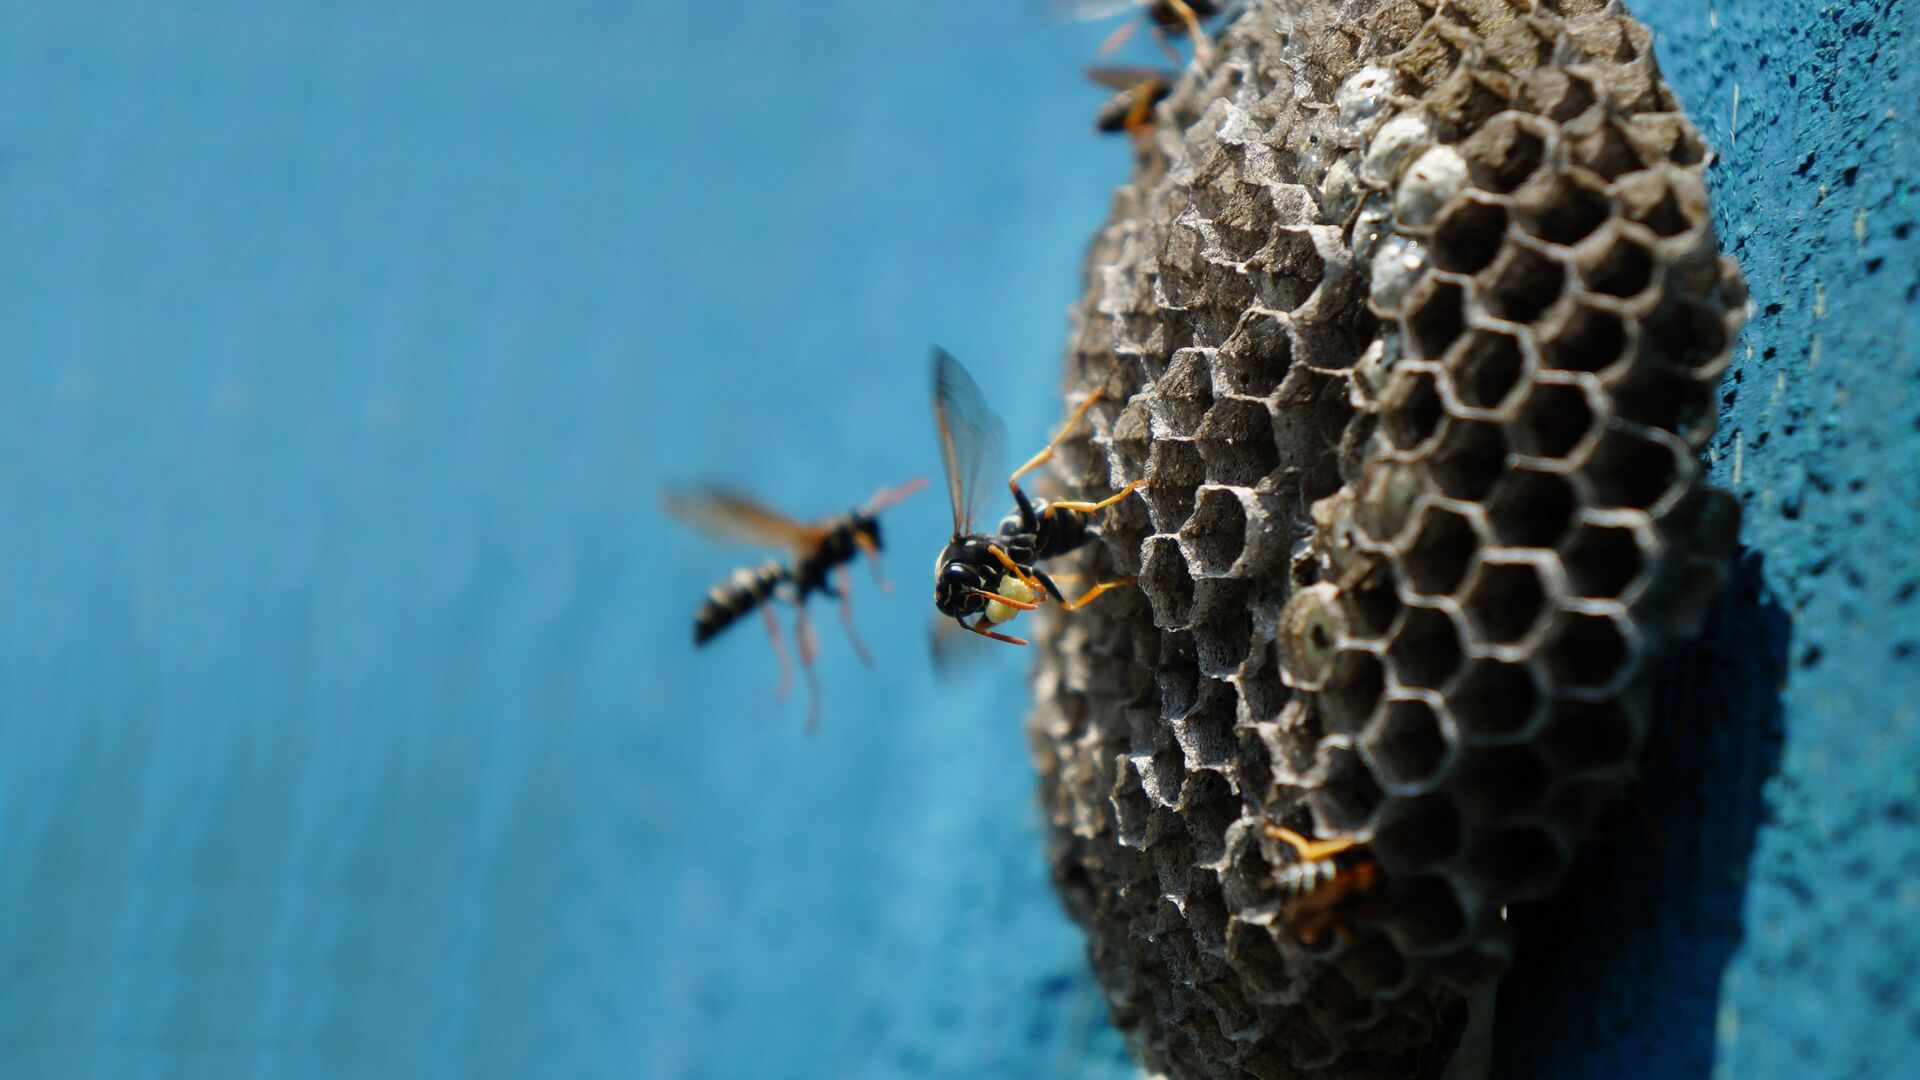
(727, 515)
(1088, 10)
(971, 437)
(1128, 78)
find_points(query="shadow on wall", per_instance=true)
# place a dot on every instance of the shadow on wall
(1620, 973)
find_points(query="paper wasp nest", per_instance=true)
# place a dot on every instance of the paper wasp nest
(1414, 315)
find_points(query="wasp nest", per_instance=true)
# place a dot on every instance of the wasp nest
(1412, 316)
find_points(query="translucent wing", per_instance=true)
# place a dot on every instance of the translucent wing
(1092, 9)
(727, 515)
(971, 437)
(952, 651)
(1126, 78)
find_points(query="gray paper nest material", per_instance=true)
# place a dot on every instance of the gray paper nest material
(1414, 317)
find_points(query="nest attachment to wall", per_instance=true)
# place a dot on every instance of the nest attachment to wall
(1412, 317)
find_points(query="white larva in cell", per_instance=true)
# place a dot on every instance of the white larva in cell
(1394, 146)
(1395, 269)
(1432, 179)
(1361, 97)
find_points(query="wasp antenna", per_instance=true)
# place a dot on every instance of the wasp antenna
(886, 497)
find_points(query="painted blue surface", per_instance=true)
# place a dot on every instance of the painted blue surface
(1776, 931)
(349, 725)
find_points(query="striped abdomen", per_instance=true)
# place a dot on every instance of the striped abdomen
(726, 602)
(1300, 880)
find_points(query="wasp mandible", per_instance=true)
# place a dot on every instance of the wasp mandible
(821, 551)
(992, 575)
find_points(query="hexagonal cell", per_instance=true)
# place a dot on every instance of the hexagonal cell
(1568, 211)
(1590, 736)
(1518, 863)
(1668, 201)
(1222, 624)
(1555, 423)
(1374, 966)
(1236, 441)
(1500, 783)
(1184, 394)
(1251, 950)
(1532, 509)
(1165, 580)
(1486, 369)
(1347, 795)
(1216, 534)
(1467, 462)
(1507, 150)
(1507, 601)
(1426, 650)
(1434, 318)
(1442, 546)
(1603, 561)
(1420, 832)
(1388, 492)
(1605, 147)
(1426, 916)
(1177, 675)
(1413, 408)
(1586, 339)
(1354, 685)
(1494, 700)
(1639, 470)
(1312, 625)
(1688, 337)
(1258, 355)
(1467, 236)
(1177, 470)
(1591, 652)
(1522, 283)
(1372, 603)
(1554, 92)
(1406, 744)
(1616, 264)
(1655, 399)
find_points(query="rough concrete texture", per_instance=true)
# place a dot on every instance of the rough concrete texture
(1413, 320)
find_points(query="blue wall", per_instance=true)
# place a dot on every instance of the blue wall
(348, 725)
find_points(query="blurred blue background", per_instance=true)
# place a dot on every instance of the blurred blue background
(349, 725)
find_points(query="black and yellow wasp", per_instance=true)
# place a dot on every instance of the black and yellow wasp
(820, 550)
(1130, 110)
(992, 577)
(1169, 18)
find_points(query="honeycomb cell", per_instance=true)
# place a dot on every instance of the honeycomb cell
(1469, 459)
(1416, 408)
(1353, 687)
(1507, 602)
(1587, 338)
(1555, 423)
(1532, 509)
(1486, 370)
(1165, 580)
(1521, 284)
(1687, 337)
(1236, 442)
(1406, 745)
(1507, 150)
(1591, 652)
(1603, 561)
(1443, 545)
(1426, 916)
(1434, 317)
(1494, 700)
(1639, 470)
(1389, 491)
(1177, 470)
(1422, 832)
(1656, 400)
(1468, 235)
(1347, 793)
(1372, 602)
(1257, 357)
(1616, 263)
(1216, 534)
(1185, 393)
(1569, 210)
(1425, 652)
(1669, 202)
(1312, 626)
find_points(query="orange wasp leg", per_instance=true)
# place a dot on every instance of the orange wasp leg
(1096, 591)
(1090, 507)
(846, 616)
(779, 650)
(1014, 568)
(1046, 452)
(1023, 605)
(1202, 48)
(1312, 850)
(803, 637)
(983, 632)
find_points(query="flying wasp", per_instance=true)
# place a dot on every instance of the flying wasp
(991, 577)
(1320, 889)
(1130, 110)
(821, 552)
(1169, 18)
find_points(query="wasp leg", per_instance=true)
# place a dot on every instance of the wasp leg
(1202, 48)
(1070, 605)
(846, 617)
(1118, 38)
(984, 632)
(1023, 605)
(1047, 583)
(1026, 576)
(779, 650)
(1312, 850)
(1091, 507)
(1046, 452)
(803, 637)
